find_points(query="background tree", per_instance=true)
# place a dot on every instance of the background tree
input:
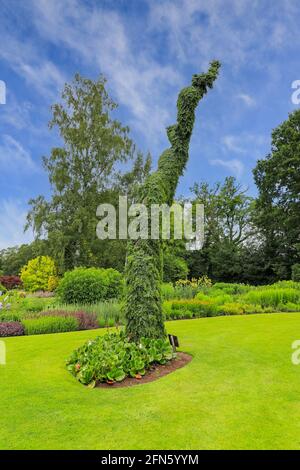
(143, 308)
(39, 274)
(83, 172)
(14, 258)
(278, 206)
(228, 225)
(174, 265)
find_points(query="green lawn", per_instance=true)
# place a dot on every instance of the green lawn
(240, 391)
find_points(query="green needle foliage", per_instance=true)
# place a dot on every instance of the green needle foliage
(143, 305)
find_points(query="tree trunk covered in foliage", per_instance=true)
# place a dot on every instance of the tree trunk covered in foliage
(143, 306)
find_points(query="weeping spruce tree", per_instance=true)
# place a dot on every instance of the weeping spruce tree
(143, 304)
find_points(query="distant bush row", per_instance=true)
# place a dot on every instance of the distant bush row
(235, 299)
(75, 308)
(184, 309)
(185, 289)
(50, 322)
(81, 285)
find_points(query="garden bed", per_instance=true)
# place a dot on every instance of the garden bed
(156, 372)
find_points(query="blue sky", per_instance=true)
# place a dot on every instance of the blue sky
(148, 50)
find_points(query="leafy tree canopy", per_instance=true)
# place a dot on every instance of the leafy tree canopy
(85, 171)
(278, 206)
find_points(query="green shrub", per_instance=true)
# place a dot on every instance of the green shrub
(282, 285)
(43, 325)
(85, 320)
(52, 283)
(289, 307)
(272, 297)
(249, 308)
(192, 305)
(188, 314)
(187, 289)
(208, 307)
(110, 322)
(167, 309)
(111, 312)
(6, 316)
(168, 291)
(16, 306)
(188, 307)
(231, 309)
(222, 299)
(203, 297)
(175, 267)
(232, 288)
(2, 289)
(185, 292)
(115, 283)
(37, 272)
(102, 323)
(35, 304)
(218, 299)
(296, 272)
(237, 299)
(106, 312)
(89, 285)
(111, 358)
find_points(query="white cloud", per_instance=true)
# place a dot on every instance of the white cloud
(233, 144)
(13, 217)
(27, 60)
(247, 99)
(101, 39)
(235, 32)
(21, 115)
(16, 114)
(193, 32)
(234, 166)
(13, 156)
(45, 77)
(245, 143)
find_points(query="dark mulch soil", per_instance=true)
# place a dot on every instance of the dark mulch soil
(153, 374)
